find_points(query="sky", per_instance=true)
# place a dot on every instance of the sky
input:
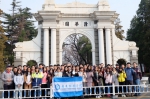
(126, 8)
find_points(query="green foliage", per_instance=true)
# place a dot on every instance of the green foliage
(19, 27)
(3, 39)
(26, 29)
(121, 62)
(140, 31)
(85, 50)
(31, 63)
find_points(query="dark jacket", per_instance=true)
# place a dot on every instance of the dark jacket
(95, 78)
(65, 74)
(75, 74)
(137, 75)
(36, 81)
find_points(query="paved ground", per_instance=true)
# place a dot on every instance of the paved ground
(143, 96)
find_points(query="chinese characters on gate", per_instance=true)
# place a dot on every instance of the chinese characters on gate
(77, 24)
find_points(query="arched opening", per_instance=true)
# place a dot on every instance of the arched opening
(31, 63)
(77, 50)
(121, 61)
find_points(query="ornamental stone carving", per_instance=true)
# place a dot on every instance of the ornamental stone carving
(103, 2)
(49, 1)
(132, 44)
(103, 5)
(77, 4)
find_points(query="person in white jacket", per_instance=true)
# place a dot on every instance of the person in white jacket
(18, 80)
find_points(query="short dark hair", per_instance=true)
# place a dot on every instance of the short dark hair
(108, 64)
(129, 63)
(117, 64)
(134, 63)
(19, 65)
(25, 65)
(40, 64)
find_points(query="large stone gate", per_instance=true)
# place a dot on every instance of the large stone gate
(56, 22)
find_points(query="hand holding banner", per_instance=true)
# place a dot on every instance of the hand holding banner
(67, 86)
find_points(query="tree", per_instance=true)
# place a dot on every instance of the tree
(140, 31)
(121, 62)
(77, 50)
(19, 24)
(31, 63)
(3, 39)
(19, 27)
(25, 28)
(118, 29)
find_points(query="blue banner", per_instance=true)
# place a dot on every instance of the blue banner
(67, 87)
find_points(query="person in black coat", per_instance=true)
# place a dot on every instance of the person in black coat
(65, 72)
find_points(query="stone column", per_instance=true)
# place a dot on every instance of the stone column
(113, 42)
(108, 47)
(60, 56)
(53, 46)
(46, 47)
(101, 46)
(93, 56)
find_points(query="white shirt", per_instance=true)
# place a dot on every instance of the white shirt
(28, 79)
(83, 75)
(18, 80)
(58, 74)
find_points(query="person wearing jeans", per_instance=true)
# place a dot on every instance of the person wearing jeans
(27, 82)
(44, 81)
(96, 80)
(37, 81)
(18, 80)
(136, 79)
(129, 80)
(121, 78)
(115, 80)
(108, 81)
(7, 78)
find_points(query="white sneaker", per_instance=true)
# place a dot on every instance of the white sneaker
(123, 95)
(100, 96)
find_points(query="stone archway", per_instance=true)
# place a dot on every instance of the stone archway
(77, 50)
(88, 33)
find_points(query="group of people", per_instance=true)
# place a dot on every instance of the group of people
(26, 77)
